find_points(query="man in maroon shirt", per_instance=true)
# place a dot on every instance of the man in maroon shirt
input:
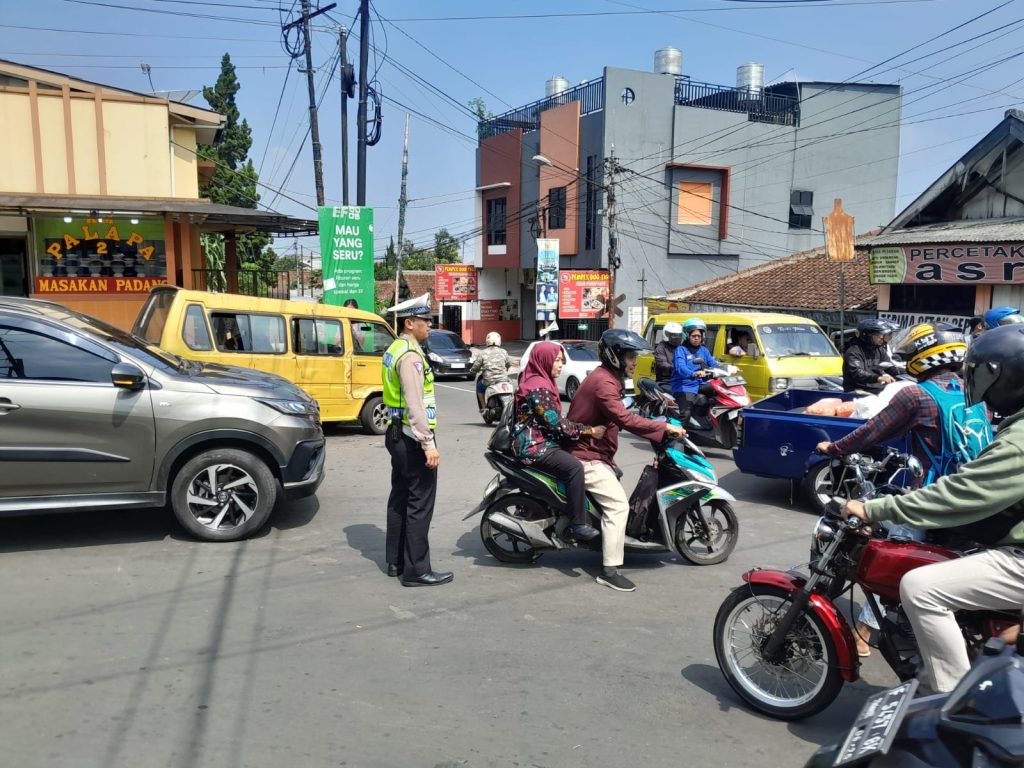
(598, 401)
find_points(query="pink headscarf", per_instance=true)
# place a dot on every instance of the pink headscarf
(537, 374)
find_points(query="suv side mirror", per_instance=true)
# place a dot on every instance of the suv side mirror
(127, 376)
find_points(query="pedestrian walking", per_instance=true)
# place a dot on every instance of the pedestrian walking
(409, 396)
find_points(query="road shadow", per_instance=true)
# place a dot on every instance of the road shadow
(72, 530)
(821, 729)
(369, 541)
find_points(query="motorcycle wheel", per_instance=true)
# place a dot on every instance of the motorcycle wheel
(503, 546)
(818, 485)
(710, 543)
(807, 679)
(488, 416)
(728, 435)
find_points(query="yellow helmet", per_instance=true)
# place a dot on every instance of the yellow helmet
(931, 345)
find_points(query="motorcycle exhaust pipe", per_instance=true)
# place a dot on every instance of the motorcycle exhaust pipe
(520, 529)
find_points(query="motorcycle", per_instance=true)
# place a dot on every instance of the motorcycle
(781, 641)
(714, 421)
(525, 515)
(978, 724)
(496, 397)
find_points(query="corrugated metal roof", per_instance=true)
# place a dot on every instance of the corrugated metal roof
(973, 231)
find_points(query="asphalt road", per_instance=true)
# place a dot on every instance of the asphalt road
(125, 643)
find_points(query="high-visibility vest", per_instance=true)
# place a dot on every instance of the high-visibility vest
(394, 398)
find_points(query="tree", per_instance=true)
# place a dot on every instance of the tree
(480, 109)
(234, 178)
(446, 248)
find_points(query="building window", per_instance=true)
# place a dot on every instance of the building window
(695, 203)
(801, 209)
(590, 213)
(556, 208)
(496, 231)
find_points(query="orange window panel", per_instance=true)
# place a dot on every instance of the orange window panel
(695, 203)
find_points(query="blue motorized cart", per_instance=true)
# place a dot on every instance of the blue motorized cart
(779, 437)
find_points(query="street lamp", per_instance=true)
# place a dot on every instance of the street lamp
(541, 160)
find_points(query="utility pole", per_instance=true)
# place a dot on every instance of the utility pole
(402, 200)
(347, 83)
(314, 128)
(301, 290)
(364, 62)
(613, 240)
(643, 296)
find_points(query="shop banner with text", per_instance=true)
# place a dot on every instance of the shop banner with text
(582, 293)
(949, 264)
(455, 282)
(97, 284)
(547, 279)
(346, 247)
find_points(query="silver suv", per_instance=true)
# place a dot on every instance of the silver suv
(92, 417)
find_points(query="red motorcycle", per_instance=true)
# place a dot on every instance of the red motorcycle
(782, 642)
(714, 420)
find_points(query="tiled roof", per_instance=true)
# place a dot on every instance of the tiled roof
(414, 283)
(805, 280)
(970, 231)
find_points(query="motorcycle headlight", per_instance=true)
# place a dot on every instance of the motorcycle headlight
(824, 532)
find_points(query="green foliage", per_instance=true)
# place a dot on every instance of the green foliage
(446, 248)
(234, 178)
(480, 108)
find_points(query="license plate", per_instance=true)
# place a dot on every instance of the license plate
(877, 724)
(458, 365)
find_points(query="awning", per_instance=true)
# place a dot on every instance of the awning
(209, 217)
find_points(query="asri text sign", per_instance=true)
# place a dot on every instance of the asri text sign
(948, 264)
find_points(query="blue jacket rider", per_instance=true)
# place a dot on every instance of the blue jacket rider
(691, 356)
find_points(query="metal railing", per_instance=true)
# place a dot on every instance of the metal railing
(269, 284)
(590, 95)
(760, 106)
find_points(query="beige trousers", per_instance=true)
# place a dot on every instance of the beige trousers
(605, 488)
(991, 580)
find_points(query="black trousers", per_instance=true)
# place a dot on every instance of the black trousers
(685, 400)
(410, 505)
(567, 468)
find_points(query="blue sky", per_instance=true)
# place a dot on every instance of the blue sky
(952, 97)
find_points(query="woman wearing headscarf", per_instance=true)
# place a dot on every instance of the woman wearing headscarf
(540, 431)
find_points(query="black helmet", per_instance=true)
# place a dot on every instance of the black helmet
(994, 369)
(615, 344)
(872, 325)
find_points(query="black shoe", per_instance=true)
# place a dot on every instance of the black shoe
(430, 579)
(583, 532)
(394, 570)
(612, 578)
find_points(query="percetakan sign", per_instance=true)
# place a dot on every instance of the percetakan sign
(948, 264)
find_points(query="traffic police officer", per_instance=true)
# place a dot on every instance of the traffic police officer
(409, 396)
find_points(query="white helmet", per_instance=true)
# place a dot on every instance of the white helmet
(493, 339)
(673, 329)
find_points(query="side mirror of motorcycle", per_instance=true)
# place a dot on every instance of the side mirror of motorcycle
(627, 401)
(915, 467)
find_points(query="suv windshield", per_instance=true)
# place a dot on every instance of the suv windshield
(785, 340)
(582, 351)
(121, 341)
(446, 341)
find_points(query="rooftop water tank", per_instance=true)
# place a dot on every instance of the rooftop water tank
(750, 80)
(668, 61)
(555, 85)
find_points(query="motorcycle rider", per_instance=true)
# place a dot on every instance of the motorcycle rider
(984, 501)
(862, 360)
(598, 401)
(540, 432)
(492, 365)
(665, 355)
(1002, 316)
(691, 367)
(932, 353)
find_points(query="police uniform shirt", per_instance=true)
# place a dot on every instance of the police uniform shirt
(410, 376)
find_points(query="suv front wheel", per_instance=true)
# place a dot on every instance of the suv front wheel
(223, 494)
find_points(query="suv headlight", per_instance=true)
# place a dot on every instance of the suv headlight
(290, 407)
(435, 357)
(778, 383)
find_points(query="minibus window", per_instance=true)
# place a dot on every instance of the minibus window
(194, 331)
(369, 338)
(317, 337)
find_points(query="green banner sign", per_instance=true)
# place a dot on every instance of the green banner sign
(346, 246)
